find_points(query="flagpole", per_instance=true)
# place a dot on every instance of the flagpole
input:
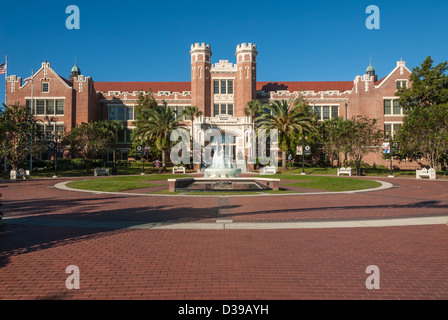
(6, 103)
(31, 114)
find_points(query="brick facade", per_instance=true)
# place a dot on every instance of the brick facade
(221, 91)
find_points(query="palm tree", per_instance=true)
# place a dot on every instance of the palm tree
(192, 112)
(289, 119)
(155, 124)
(253, 109)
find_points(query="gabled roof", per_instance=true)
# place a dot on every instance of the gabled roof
(315, 86)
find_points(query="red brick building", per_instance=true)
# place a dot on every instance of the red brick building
(220, 90)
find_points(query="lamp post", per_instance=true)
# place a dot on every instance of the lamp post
(303, 154)
(57, 135)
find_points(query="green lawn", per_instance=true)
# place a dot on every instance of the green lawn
(121, 183)
(326, 183)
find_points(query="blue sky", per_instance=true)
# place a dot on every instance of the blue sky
(150, 40)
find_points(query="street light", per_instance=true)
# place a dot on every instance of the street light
(303, 153)
(57, 135)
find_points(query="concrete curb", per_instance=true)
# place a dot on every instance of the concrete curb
(138, 225)
(384, 185)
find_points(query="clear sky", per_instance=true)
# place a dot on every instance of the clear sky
(150, 40)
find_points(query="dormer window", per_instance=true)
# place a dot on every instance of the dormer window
(45, 87)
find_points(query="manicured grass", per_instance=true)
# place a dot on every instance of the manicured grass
(121, 183)
(326, 183)
(124, 183)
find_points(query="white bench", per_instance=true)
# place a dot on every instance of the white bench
(179, 169)
(25, 174)
(430, 173)
(268, 170)
(101, 171)
(344, 170)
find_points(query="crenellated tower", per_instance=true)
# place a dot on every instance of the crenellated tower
(200, 77)
(246, 78)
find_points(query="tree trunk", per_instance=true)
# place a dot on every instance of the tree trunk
(163, 160)
(283, 160)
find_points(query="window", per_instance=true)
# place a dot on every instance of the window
(121, 113)
(223, 108)
(40, 107)
(230, 86)
(59, 128)
(391, 129)
(59, 107)
(392, 107)
(325, 112)
(401, 84)
(216, 109)
(43, 107)
(215, 86)
(230, 109)
(318, 111)
(50, 107)
(396, 107)
(387, 106)
(334, 112)
(45, 87)
(223, 86)
(130, 113)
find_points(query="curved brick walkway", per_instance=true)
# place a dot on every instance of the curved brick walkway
(116, 262)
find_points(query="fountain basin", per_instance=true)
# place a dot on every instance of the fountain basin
(223, 184)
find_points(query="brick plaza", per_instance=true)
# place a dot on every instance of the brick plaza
(47, 229)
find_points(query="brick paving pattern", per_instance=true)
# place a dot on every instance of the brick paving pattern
(117, 263)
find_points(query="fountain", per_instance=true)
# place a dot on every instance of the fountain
(222, 166)
(222, 176)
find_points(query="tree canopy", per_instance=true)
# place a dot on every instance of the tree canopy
(425, 125)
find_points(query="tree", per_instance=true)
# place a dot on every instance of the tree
(192, 112)
(17, 127)
(334, 137)
(89, 140)
(253, 109)
(429, 86)
(424, 129)
(290, 120)
(113, 129)
(155, 124)
(425, 133)
(363, 137)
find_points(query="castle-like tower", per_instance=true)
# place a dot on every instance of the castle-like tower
(200, 77)
(223, 88)
(246, 78)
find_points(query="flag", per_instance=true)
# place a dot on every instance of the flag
(28, 79)
(3, 68)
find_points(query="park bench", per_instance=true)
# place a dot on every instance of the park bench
(179, 169)
(268, 170)
(99, 171)
(430, 173)
(25, 174)
(344, 170)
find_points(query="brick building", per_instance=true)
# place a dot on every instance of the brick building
(220, 90)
